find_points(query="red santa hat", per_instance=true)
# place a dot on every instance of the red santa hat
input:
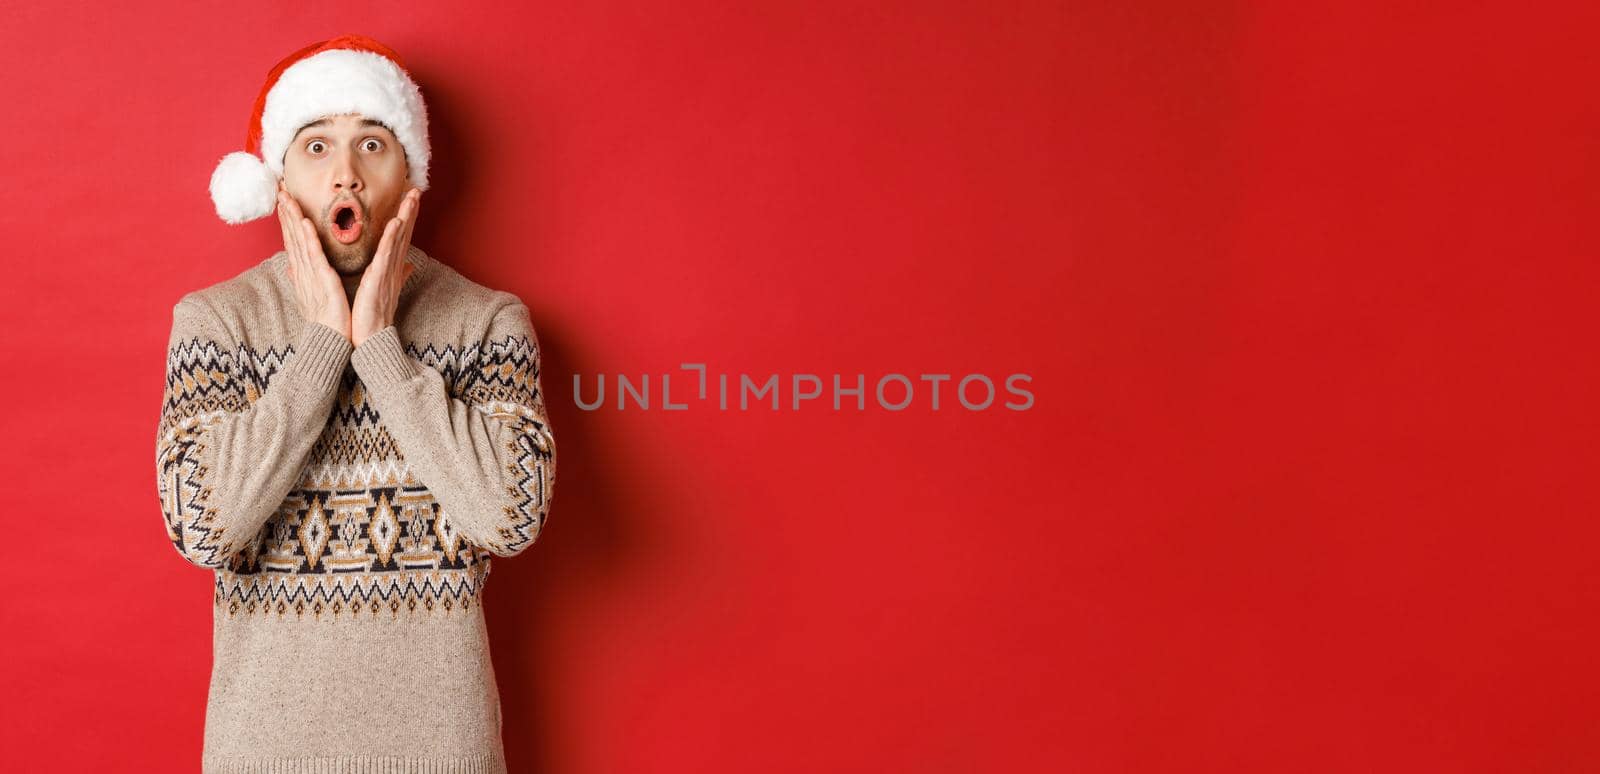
(348, 74)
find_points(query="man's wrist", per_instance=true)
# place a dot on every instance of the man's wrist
(381, 359)
(321, 352)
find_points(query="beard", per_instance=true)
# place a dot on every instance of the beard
(353, 258)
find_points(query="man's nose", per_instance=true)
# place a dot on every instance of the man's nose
(345, 174)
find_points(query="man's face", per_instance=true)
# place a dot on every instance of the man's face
(349, 175)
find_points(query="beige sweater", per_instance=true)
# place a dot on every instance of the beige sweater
(349, 503)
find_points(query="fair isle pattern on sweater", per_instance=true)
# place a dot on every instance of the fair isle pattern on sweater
(349, 502)
(359, 532)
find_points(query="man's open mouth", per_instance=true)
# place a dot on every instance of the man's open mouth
(346, 222)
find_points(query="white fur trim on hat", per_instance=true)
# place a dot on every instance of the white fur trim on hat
(346, 81)
(328, 83)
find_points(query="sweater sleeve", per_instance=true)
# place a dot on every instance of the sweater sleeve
(488, 456)
(228, 453)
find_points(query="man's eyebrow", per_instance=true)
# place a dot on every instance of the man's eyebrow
(365, 122)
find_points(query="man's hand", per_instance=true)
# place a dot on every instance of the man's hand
(379, 293)
(316, 284)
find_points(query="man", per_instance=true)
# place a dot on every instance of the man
(350, 431)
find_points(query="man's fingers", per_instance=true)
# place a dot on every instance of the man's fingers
(397, 252)
(374, 275)
(402, 242)
(398, 263)
(384, 254)
(411, 217)
(283, 226)
(291, 237)
(313, 245)
(298, 220)
(291, 227)
(411, 222)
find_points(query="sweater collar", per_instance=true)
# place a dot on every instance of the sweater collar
(414, 255)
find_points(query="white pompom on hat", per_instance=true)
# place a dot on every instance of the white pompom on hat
(348, 74)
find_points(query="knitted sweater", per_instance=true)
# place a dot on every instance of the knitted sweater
(349, 501)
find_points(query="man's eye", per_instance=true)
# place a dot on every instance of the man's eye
(373, 145)
(315, 146)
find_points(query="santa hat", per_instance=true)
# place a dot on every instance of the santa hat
(348, 74)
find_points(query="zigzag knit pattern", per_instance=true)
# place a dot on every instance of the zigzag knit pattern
(359, 532)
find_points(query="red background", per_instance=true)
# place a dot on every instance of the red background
(1307, 484)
